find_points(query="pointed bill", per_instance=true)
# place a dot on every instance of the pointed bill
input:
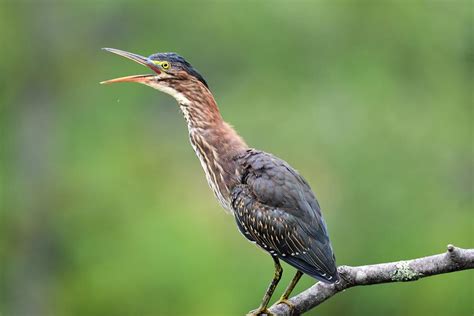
(136, 78)
(136, 58)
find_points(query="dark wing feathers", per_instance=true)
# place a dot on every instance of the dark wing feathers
(275, 208)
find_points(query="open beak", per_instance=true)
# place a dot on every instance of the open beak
(136, 58)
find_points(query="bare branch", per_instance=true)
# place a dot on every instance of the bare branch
(455, 259)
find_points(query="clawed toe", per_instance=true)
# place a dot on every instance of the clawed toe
(260, 312)
(287, 303)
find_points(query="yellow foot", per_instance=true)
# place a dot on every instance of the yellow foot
(260, 312)
(286, 302)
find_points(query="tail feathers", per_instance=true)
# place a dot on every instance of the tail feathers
(327, 276)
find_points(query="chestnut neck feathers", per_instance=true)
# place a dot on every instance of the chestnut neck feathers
(214, 141)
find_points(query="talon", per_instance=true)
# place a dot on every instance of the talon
(286, 302)
(260, 312)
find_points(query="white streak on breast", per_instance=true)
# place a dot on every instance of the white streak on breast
(210, 176)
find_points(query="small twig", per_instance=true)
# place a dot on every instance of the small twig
(455, 259)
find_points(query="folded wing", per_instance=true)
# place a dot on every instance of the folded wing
(275, 208)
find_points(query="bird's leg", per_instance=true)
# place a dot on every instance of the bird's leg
(262, 310)
(284, 298)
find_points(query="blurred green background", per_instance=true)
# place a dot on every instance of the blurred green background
(106, 211)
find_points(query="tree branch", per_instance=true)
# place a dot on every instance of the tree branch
(455, 259)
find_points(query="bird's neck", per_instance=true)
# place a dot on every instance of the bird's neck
(214, 141)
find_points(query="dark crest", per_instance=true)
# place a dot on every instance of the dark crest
(178, 61)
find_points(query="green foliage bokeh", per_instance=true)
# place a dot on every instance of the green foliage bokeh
(105, 208)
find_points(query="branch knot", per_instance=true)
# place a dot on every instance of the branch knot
(454, 254)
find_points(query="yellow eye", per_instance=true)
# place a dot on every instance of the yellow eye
(165, 65)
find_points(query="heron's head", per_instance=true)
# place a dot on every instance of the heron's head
(172, 73)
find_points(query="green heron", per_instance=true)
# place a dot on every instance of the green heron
(272, 204)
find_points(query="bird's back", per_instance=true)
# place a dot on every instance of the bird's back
(275, 207)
